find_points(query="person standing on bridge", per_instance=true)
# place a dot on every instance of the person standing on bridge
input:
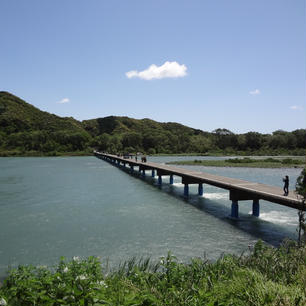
(286, 185)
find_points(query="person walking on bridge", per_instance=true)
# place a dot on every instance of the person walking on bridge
(286, 185)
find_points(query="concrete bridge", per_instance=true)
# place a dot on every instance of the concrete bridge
(239, 190)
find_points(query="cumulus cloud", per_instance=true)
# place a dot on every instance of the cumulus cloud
(167, 70)
(254, 92)
(295, 107)
(64, 100)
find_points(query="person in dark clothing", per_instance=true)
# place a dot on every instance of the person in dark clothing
(286, 185)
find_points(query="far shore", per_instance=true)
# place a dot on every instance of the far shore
(255, 155)
(276, 162)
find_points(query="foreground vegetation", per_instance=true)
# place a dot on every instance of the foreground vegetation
(266, 276)
(28, 131)
(247, 162)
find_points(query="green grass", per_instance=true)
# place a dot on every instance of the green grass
(265, 276)
(247, 162)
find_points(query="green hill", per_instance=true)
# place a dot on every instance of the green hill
(26, 130)
(123, 133)
(17, 115)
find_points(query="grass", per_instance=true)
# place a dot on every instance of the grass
(247, 162)
(265, 276)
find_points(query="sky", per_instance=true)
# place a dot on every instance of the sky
(208, 64)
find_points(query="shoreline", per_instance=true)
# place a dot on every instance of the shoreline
(279, 162)
(86, 153)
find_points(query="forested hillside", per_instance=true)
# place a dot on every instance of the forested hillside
(26, 130)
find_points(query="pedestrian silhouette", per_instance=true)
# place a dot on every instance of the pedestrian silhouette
(286, 185)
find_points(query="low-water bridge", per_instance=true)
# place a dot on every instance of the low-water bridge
(238, 189)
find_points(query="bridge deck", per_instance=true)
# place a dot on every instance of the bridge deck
(242, 190)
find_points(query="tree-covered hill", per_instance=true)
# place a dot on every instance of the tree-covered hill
(26, 130)
(123, 133)
(115, 134)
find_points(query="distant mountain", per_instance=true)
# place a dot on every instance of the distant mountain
(26, 130)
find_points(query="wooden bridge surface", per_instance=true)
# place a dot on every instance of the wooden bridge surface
(239, 189)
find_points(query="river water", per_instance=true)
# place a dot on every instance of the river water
(82, 206)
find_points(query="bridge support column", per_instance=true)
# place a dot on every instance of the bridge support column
(186, 190)
(132, 168)
(200, 189)
(143, 174)
(171, 179)
(256, 208)
(235, 209)
(153, 173)
(159, 180)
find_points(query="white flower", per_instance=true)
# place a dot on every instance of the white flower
(102, 283)
(3, 302)
(76, 258)
(81, 277)
(65, 270)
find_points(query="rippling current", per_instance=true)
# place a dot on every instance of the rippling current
(82, 206)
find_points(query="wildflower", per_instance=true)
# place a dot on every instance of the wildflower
(3, 302)
(81, 277)
(102, 283)
(76, 258)
(65, 270)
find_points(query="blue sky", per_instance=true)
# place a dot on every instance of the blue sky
(235, 64)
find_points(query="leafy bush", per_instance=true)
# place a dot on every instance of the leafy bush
(267, 276)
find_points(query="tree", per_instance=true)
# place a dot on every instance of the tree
(132, 139)
(103, 142)
(253, 140)
(300, 188)
(222, 132)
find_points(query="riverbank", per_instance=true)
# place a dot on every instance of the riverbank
(89, 152)
(43, 154)
(265, 276)
(297, 162)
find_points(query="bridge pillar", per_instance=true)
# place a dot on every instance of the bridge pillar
(153, 173)
(235, 209)
(171, 179)
(200, 189)
(132, 168)
(186, 190)
(256, 208)
(143, 174)
(159, 180)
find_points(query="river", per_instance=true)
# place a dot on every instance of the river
(81, 206)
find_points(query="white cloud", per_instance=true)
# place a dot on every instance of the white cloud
(167, 70)
(254, 92)
(64, 100)
(296, 107)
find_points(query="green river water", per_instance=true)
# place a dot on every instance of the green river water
(82, 206)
